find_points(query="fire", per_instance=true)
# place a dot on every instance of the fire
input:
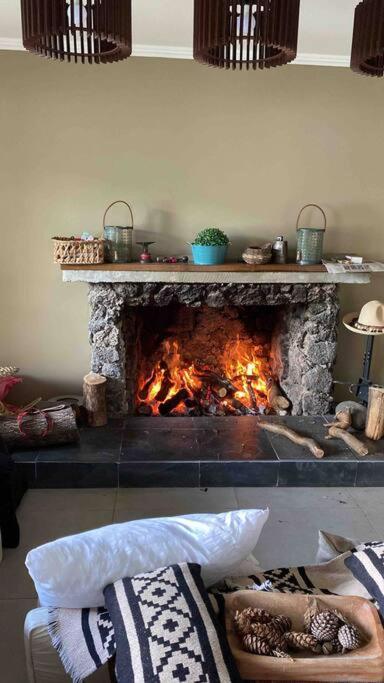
(237, 386)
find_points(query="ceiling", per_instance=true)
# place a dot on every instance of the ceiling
(164, 28)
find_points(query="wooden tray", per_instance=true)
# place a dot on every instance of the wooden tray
(365, 665)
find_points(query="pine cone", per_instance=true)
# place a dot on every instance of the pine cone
(282, 623)
(269, 633)
(332, 647)
(309, 614)
(255, 645)
(325, 626)
(303, 641)
(242, 623)
(349, 637)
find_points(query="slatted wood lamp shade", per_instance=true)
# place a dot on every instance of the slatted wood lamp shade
(253, 35)
(367, 56)
(98, 31)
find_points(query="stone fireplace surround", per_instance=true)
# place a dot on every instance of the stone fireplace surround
(304, 344)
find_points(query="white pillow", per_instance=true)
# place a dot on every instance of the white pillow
(72, 571)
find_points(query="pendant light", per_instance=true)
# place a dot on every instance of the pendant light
(257, 35)
(84, 31)
(367, 56)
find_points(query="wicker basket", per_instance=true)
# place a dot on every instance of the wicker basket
(68, 251)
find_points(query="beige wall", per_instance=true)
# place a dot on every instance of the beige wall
(189, 147)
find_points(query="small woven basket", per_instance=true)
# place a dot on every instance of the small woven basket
(68, 251)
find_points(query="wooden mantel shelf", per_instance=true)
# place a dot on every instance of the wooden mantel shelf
(181, 273)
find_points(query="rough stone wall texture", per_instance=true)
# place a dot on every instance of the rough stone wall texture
(304, 345)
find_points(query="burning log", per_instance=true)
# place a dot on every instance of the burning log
(238, 405)
(252, 395)
(275, 398)
(143, 393)
(172, 403)
(212, 378)
(166, 386)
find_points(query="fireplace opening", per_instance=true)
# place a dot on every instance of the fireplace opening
(206, 361)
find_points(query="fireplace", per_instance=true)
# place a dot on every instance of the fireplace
(214, 349)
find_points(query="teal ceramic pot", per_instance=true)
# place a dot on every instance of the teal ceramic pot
(209, 256)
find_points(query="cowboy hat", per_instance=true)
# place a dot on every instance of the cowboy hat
(369, 321)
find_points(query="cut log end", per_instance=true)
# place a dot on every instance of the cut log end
(94, 387)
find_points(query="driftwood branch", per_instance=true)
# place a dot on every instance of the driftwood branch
(350, 439)
(343, 420)
(293, 436)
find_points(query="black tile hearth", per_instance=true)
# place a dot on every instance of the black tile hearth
(155, 474)
(239, 473)
(201, 451)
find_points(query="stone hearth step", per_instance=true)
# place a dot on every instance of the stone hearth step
(199, 452)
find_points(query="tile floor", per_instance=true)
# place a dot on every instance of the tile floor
(289, 537)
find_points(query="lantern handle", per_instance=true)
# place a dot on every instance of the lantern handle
(118, 201)
(316, 207)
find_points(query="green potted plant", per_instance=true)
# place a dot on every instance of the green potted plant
(210, 247)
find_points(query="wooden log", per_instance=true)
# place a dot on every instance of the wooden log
(374, 428)
(210, 377)
(252, 396)
(241, 407)
(48, 427)
(166, 386)
(300, 440)
(350, 439)
(95, 404)
(275, 398)
(143, 393)
(172, 403)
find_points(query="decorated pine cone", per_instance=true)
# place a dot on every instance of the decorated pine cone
(332, 647)
(242, 623)
(269, 633)
(325, 625)
(303, 641)
(281, 623)
(256, 645)
(349, 637)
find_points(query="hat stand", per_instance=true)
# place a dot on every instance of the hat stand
(362, 387)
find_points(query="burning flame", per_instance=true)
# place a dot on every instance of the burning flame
(240, 368)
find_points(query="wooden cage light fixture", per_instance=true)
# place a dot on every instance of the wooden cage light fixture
(87, 31)
(367, 56)
(244, 33)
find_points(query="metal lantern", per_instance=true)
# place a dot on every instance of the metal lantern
(310, 241)
(236, 33)
(87, 31)
(367, 55)
(118, 238)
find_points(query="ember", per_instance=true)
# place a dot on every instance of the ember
(239, 384)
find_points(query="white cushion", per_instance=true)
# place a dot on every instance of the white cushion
(72, 571)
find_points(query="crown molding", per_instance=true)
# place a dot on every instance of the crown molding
(171, 52)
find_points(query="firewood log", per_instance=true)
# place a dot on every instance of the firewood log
(172, 403)
(275, 398)
(35, 432)
(166, 386)
(350, 439)
(94, 399)
(300, 440)
(252, 396)
(375, 416)
(143, 393)
(212, 378)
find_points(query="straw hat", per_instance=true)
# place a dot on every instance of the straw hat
(370, 321)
